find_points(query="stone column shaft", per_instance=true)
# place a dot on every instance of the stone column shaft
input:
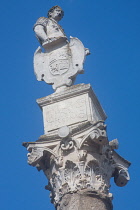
(83, 201)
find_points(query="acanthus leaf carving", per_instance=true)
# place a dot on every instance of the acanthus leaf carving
(80, 163)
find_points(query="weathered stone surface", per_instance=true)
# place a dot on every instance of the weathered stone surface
(71, 107)
(62, 60)
(83, 201)
(75, 164)
(75, 153)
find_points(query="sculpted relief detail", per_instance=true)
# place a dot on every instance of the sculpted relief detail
(73, 166)
(61, 60)
(74, 153)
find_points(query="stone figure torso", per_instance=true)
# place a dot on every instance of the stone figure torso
(51, 28)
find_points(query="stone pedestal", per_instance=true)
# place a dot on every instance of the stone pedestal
(75, 153)
(72, 107)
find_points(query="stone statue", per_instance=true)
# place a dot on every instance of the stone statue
(74, 152)
(61, 60)
(47, 30)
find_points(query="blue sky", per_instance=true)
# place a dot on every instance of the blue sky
(111, 30)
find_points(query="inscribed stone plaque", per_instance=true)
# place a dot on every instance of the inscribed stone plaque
(66, 112)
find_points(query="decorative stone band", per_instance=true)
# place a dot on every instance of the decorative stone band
(84, 161)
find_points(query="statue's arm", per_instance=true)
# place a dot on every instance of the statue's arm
(40, 29)
(40, 33)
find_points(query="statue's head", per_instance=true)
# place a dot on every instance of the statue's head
(56, 13)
